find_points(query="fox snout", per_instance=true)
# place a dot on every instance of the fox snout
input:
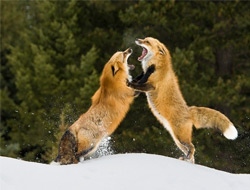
(138, 41)
(128, 51)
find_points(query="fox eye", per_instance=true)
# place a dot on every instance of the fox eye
(113, 70)
(147, 42)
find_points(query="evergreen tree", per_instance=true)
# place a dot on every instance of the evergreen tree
(201, 37)
(11, 24)
(49, 77)
(55, 51)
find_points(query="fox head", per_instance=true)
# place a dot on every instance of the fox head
(116, 70)
(152, 49)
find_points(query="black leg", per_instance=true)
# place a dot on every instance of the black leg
(145, 77)
(141, 87)
(136, 79)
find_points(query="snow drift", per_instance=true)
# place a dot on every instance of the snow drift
(118, 172)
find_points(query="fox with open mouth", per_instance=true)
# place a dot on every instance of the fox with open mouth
(166, 101)
(110, 103)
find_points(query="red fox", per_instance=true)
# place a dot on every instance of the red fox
(110, 104)
(167, 103)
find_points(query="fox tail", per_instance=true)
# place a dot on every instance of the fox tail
(209, 118)
(67, 149)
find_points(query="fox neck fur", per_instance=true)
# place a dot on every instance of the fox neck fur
(167, 94)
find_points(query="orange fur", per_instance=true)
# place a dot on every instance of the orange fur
(167, 103)
(109, 106)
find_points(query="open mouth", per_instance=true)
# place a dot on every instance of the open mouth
(130, 51)
(129, 66)
(144, 53)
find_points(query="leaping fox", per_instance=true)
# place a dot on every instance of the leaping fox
(109, 106)
(167, 103)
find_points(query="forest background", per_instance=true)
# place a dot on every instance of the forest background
(53, 52)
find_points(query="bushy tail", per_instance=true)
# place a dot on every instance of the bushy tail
(68, 152)
(67, 149)
(208, 118)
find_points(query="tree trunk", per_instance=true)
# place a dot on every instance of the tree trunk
(223, 62)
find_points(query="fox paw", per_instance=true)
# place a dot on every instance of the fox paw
(191, 160)
(181, 158)
(128, 83)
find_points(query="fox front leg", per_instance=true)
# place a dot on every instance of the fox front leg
(135, 80)
(146, 87)
(143, 78)
(149, 72)
(139, 77)
(141, 85)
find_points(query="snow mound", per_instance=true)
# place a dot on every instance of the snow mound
(118, 172)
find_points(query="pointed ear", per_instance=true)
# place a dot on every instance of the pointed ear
(115, 68)
(162, 50)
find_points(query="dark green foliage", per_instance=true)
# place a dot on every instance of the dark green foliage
(53, 52)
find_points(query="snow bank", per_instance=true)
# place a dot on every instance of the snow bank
(118, 172)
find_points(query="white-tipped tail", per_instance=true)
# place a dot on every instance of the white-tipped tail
(231, 132)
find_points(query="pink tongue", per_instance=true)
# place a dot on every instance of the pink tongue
(144, 53)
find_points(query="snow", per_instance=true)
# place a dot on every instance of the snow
(118, 172)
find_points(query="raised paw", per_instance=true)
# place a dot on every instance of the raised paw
(128, 83)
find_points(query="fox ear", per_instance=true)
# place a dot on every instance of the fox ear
(161, 50)
(115, 69)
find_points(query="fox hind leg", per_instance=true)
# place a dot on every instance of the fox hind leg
(189, 154)
(84, 153)
(188, 150)
(87, 143)
(184, 142)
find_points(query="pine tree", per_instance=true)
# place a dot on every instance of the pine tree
(206, 48)
(54, 53)
(11, 24)
(49, 77)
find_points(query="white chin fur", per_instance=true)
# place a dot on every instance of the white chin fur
(127, 69)
(231, 132)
